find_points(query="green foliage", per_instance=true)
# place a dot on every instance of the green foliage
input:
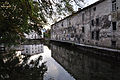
(22, 16)
(14, 17)
(47, 34)
(16, 67)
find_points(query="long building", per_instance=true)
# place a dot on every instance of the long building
(32, 49)
(97, 24)
(33, 35)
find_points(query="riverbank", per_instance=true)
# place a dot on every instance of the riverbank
(105, 52)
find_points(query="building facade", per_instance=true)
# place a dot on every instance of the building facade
(33, 35)
(97, 25)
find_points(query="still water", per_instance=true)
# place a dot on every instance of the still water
(54, 70)
(57, 62)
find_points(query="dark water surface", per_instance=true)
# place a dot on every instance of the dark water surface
(56, 62)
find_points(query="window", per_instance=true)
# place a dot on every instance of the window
(97, 21)
(114, 25)
(75, 30)
(69, 23)
(26, 51)
(94, 8)
(72, 35)
(92, 35)
(97, 35)
(83, 40)
(83, 17)
(62, 24)
(114, 8)
(92, 22)
(113, 43)
(83, 30)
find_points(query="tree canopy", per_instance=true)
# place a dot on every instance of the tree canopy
(22, 16)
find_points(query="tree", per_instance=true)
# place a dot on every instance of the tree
(17, 67)
(14, 17)
(22, 16)
(47, 34)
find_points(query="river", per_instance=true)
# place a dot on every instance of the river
(58, 62)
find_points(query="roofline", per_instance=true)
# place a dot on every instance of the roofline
(80, 11)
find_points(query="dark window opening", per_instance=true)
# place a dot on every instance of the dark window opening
(94, 8)
(83, 17)
(96, 43)
(97, 35)
(26, 51)
(114, 7)
(97, 21)
(83, 30)
(88, 41)
(62, 24)
(114, 25)
(92, 22)
(72, 35)
(69, 23)
(113, 43)
(83, 40)
(92, 35)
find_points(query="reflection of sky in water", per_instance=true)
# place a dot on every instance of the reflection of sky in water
(55, 71)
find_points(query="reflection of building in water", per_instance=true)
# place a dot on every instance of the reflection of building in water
(85, 67)
(32, 49)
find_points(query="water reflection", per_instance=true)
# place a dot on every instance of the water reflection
(84, 67)
(34, 62)
(32, 49)
(16, 67)
(55, 71)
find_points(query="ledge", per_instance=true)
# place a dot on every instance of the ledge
(90, 46)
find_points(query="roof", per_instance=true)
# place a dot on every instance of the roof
(80, 11)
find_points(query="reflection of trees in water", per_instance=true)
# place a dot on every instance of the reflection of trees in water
(14, 67)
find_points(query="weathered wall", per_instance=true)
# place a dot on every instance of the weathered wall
(92, 25)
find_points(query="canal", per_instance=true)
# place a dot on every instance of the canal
(56, 61)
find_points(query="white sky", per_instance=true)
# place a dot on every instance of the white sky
(90, 1)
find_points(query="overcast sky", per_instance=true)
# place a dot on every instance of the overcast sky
(90, 1)
(87, 2)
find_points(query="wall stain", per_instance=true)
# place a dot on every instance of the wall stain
(105, 23)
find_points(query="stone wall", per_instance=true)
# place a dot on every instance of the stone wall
(97, 24)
